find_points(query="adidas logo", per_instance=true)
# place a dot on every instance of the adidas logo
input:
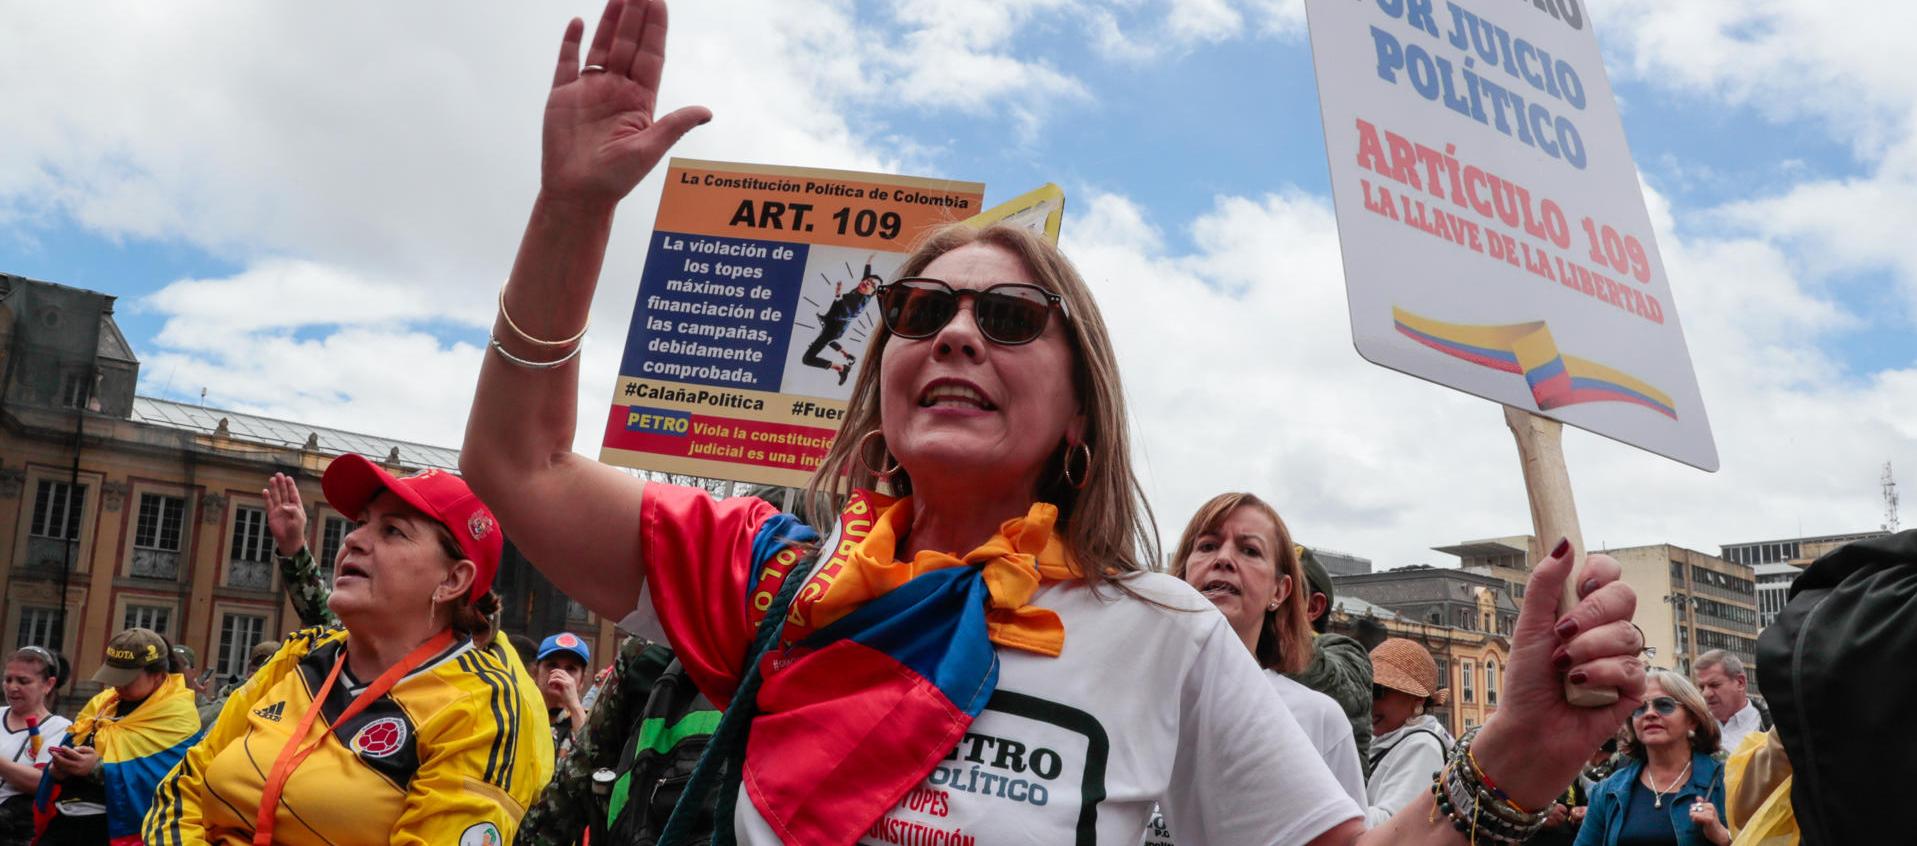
(273, 711)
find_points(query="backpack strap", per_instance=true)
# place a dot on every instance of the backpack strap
(1378, 755)
(725, 753)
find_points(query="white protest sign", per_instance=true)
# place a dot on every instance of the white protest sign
(1494, 235)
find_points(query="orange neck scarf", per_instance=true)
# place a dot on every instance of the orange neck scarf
(1024, 555)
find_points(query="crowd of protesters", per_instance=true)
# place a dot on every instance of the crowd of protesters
(962, 636)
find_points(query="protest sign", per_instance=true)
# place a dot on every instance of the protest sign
(1494, 234)
(1040, 211)
(753, 313)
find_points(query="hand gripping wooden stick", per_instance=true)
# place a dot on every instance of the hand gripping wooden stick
(1554, 515)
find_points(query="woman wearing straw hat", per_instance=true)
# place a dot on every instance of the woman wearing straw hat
(1408, 744)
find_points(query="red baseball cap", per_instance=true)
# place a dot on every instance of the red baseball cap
(352, 481)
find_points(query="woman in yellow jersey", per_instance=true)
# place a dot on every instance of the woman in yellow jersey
(395, 728)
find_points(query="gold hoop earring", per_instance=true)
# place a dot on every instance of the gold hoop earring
(1078, 482)
(888, 472)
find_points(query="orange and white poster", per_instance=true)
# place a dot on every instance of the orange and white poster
(754, 309)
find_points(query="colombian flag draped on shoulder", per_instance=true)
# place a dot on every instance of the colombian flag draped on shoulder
(135, 751)
(882, 664)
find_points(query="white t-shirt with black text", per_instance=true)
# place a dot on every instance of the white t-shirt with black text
(1145, 705)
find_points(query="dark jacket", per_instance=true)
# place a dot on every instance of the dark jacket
(1612, 796)
(1836, 669)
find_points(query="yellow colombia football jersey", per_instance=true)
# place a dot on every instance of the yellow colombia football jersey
(453, 754)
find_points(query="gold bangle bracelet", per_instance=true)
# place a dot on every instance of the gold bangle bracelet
(529, 364)
(530, 339)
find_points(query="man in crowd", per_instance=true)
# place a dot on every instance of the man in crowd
(560, 669)
(101, 779)
(1720, 675)
(1340, 667)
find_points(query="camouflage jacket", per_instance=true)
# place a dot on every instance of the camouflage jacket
(564, 810)
(300, 577)
(1341, 669)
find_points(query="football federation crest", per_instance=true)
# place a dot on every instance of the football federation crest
(380, 738)
(480, 525)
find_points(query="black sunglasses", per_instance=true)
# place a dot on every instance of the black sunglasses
(1007, 314)
(1664, 705)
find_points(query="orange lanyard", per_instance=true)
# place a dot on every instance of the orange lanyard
(297, 749)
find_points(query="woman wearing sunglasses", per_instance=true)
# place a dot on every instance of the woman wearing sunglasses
(1407, 744)
(978, 649)
(1671, 791)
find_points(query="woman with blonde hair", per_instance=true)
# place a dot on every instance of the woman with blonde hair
(1408, 744)
(1672, 789)
(978, 650)
(1239, 554)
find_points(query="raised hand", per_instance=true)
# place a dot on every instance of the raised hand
(285, 515)
(600, 137)
(1538, 738)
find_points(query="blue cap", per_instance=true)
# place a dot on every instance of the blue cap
(564, 642)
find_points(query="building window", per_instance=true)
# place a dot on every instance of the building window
(156, 617)
(156, 537)
(43, 627)
(332, 537)
(73, 389)
(159, 523)
(1470, 673)
(56, 510)
(1491, 681)
(251, 551)
(238, 634)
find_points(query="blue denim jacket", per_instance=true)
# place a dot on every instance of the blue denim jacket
(1612, 796)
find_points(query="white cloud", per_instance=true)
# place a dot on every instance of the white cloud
(369, 170)
(1237, 359)
(1801, 59)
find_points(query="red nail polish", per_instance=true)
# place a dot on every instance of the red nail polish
(1578, 677)
(1561, 660)
(1588, 586)
(1563, 547)
(1567, 629)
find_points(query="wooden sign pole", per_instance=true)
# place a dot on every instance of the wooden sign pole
(1554, 515)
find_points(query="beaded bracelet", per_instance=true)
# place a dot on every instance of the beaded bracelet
(1476, 805)
(1518, 812)
(1469, 814)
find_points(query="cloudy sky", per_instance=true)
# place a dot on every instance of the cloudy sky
(306, 210)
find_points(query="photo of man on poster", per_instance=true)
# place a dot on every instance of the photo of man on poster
(846, 306)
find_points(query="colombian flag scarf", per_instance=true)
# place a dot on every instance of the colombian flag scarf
(136, 751)
(884, 663)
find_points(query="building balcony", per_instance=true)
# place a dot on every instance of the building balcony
(249, 575)
(156, 564)
(50, 555)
